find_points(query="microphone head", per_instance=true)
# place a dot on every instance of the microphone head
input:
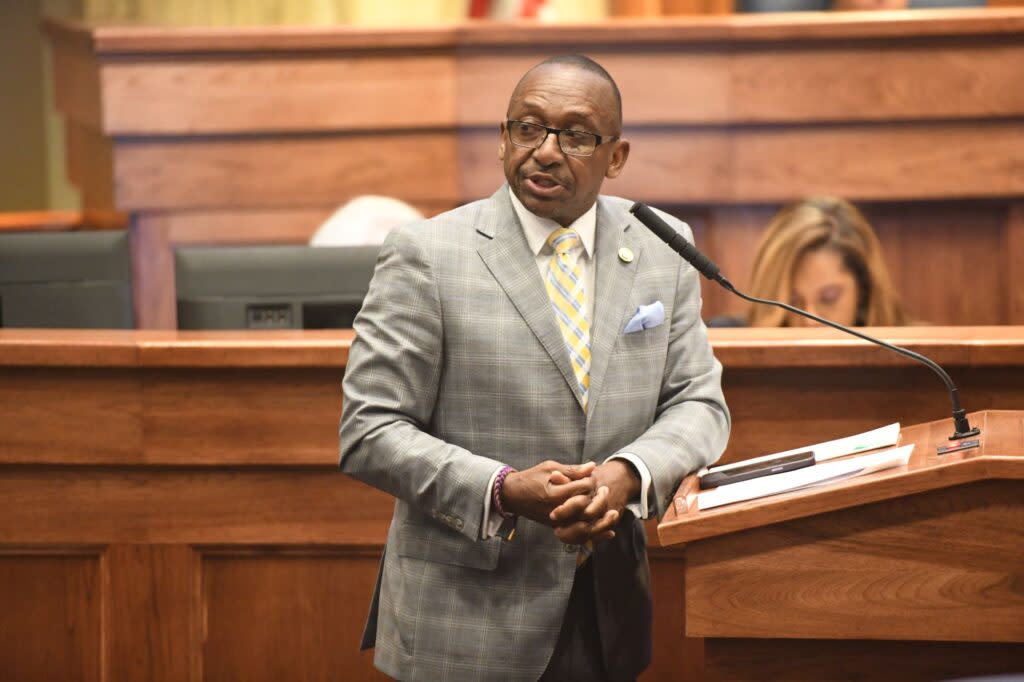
(646, 215)
(677, 242)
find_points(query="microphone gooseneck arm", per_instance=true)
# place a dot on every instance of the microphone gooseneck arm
(679, 244)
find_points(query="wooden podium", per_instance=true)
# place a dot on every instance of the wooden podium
(911, 573)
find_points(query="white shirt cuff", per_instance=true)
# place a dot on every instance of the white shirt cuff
(489, 527)
(638, 507)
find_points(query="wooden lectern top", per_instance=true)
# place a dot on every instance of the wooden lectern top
(1000, 455)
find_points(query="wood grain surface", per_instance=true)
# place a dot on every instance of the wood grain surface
(306, 623)
(1001, 455)
(114, 39)
(730, 114)
(943, 565)
(296, 171)
(152, 611)
(274, 397)
(813, 660)
(182, 489)
(904, 580)
(50, 623)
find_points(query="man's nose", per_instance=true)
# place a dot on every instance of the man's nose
(548, 152)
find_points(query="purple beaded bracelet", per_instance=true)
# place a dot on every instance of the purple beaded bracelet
(499, 481)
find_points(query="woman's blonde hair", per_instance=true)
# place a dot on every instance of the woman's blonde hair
(823, 223)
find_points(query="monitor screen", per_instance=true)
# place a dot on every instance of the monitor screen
(66, 279)
(272, 287)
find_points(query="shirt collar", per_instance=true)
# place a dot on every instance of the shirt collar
(537, 229)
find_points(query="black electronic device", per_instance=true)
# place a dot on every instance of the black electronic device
(767, 467)
(76, 279)
(272, 287)
(645, 214)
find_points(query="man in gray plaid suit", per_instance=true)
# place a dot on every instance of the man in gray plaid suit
(530, 377)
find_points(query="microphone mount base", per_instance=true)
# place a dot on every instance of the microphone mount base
(960, 435)
(961, 427)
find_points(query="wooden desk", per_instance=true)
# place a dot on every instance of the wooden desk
(912, 573)
(919, 113)
(182, 488)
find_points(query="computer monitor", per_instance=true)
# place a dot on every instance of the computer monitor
(66, 279)
(272, 287)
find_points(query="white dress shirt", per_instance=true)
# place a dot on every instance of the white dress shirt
(537, 230)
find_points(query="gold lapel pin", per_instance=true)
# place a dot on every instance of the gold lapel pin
(625, 255)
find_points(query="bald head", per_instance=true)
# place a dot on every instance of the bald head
(574, 100)
(586, 65)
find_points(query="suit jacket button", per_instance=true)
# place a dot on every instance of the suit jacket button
(458, 524)
(571, 549)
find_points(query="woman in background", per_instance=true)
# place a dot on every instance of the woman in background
(821, 255)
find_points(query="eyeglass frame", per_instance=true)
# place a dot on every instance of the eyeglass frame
(599, 139)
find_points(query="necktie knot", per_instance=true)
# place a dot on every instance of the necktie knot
(563, 239)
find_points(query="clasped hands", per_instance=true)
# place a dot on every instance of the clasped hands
(580, 501)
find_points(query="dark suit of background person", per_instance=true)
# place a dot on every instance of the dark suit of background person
(459, 367)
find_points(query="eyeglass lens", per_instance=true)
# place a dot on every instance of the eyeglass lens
(574, 142)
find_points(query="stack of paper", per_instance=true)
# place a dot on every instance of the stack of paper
(883, 437)
(818, 474)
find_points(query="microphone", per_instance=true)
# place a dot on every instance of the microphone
(689, 252)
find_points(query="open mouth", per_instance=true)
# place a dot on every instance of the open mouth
(543, 185)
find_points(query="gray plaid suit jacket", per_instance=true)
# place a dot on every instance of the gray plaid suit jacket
(458, 367)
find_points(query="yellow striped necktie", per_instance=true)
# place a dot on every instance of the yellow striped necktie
(565, 287)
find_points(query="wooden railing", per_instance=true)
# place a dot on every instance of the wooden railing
(61, 221)
(249, 135)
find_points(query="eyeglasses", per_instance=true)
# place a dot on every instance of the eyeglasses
(571, 142)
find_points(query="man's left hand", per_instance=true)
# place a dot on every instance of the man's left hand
(586, 517)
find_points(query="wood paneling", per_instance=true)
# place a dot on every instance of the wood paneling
(172, 505)
(768, 164)
(50, 618)
(749, 28)
(61, 221)
(284, 171)
(274, 397)
(354, 91)
(952, 263)
(909, 573)
(813, 660)
(90, 158)
(76, 74)
(113, 39)
(738, 82)
(943, 259)
(933, 566)
(658, 87)
(728, 235)
(306, 624)
(919, 80)
(80, 414)
(183, 488)
(730, 112)
(1001, 445)
(152, 613)
(1013, 264)
(675, 656)
(241, 226)
(269, 413)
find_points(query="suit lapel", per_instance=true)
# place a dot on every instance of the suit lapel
(506, 253)
(614, 282)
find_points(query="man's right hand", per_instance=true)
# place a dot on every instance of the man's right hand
(534, 493)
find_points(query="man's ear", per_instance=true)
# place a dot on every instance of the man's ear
(619, 155)
(501, 142)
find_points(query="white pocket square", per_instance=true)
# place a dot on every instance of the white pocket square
(647, 316)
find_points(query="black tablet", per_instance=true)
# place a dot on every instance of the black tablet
(776, 465)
